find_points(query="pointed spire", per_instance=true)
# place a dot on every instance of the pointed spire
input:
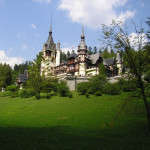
(50, 31)
(82, 35)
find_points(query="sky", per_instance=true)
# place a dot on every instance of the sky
(25, 24)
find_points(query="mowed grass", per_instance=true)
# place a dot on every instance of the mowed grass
(78, 123)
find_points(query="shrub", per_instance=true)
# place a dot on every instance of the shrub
(52, 93)
(70, 95)
(26, 93)
(14, 94)
(82, 87)
(111, 89)
(48, 96)
(63, 90)
(6, 93)
(96, 83)
(37, 96)
(128, 85)
(87, 94)
(12, 88)
(98, 93)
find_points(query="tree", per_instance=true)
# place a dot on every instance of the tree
(106, 54)
(133, 52)
(34, 78)
(95, 50)
(102, 70)
(19, 69)
(68, 54)
(5, 75)
(63, 56)
(90, 50)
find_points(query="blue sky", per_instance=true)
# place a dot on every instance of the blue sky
(25, 24)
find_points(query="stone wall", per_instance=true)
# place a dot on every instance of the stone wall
(72, 81)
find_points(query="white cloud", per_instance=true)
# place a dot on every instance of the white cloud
(33, 26)
(136, 39)
(9, 60)
(42, 1)
(93, 13)
(24, 46)
(65, 47)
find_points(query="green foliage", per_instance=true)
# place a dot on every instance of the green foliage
(63, 56)
(112, 89)
(82, 87)
(35, 79)
(96, 83)
(14, 94)
(147, 76)
(98, 93)
(48, 96)
(19, 69)
(70, 95)
(87, 94)
(5, 75)
(49, 84)
(37, 96)
(12, 88)
(128, 85)
(102, 70)
(26, 93)
(63, 90)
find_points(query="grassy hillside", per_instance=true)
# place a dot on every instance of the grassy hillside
(78, 123)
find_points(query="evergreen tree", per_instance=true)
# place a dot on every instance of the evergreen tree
(5, 75)
(95, 50)
(102, 70)
(106, 54)
(90, 50)
(35, 79)
(68, 54)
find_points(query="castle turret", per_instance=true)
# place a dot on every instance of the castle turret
(49, 56)
(58, 54)
(82, 55)
(119, 63)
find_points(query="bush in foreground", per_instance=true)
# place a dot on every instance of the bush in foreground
(63, 90)
(26, 93)
(82, 87)
(12, 88)
(98, 93)
(112, 89)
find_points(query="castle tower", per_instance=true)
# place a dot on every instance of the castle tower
(82, 55)
(58, 54)
(49, 56)
(119, 63)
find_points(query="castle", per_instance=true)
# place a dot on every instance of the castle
(78, 64)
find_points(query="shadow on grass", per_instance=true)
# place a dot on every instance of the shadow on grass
(66, 138)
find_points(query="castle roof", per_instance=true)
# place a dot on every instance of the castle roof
(109, 61)
(23, 77)
(82, 43)
(50, 41)
(94, 57)
(73, 55)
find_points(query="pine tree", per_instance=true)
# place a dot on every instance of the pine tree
(95, 50)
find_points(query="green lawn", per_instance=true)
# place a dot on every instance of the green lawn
(78, 123)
